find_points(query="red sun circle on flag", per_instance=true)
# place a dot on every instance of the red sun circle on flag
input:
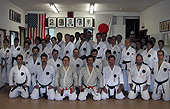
(103, 28)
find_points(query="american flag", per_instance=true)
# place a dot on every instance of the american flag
(36, 26)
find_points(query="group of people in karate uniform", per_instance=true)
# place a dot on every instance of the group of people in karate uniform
(55, 69)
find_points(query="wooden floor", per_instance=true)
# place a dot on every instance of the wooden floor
(20, 103)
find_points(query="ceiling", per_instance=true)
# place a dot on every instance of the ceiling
(83, 5)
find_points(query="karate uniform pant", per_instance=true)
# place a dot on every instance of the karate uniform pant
(19, 91)
(150, 88)
(5, 74)
(66, 93)
(83, 95)
(125, 76)
(118, 96)
(160, 91)
(144, 94)
(50, 93)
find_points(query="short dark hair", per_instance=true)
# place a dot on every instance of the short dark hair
(82, 34)
(161, 51)
(94, 50)
(99, 34)
(44, 40)
(77, 33)
(111, 56)
(53, 38)
(59, 33)
(104, 33)
(90, 56)
(35, 48)
(153, 39)
(140, 44)
(19, 55)
(67, 35)
(139, 55)
(66, 57)
(119, 35)
(54, 50)
(16, 39)
(150, 42)
(75, 49)
(38, 38)
(161, 41)
(26, 42)
(108, 51)
(44, 55)
(5, 40)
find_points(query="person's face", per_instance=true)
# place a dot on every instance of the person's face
(111, 61)
(98, 37)
(47, 38)
(161, 45)
(26, 46)
(28, 40)
(5, 44)
(113, 40)
(103, 37)
(66, 61)
(55, 55)
(71, 39)
(53, 41)
(127, 43)
(119, 39)
(44, 60)
(149, 46)
(107, 55)
(109, 41)
(19, 60)
(59, 37)
(67, 38)
(153, 41)
(139, 60)
(43, 43)
(131, 37)
(90, 61)
(77, 36)
(88, 35)
(138, 45)
(75, 53)
(143, 41)
(16, 42)
(94, 54)
(160, 56)
(37, 42)
(35, 52)
(82, 37)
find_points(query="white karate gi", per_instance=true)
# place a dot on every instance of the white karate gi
(121, 45)
(116, 51)
(149, 58)
(56, 64)
(89, 82)
(61, 45)
(68, 50)
(43, 79)
(105, 63)
(15, 52)
(107, 43)
(161, 75)
(49, 45)
(19, 78)
(112, 78)
(101, 47)
(77, 64)
(142, 76)
(91, 42)
(5, 57)
(85, 49)
(133, 45)
(166, 55)
(140, 51)
(127, 60)
(98, 64)
(65, 80)
(155, 48)
(26, 54)
(77, 44)
(56, 47)
(46, 51)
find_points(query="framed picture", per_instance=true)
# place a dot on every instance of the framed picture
(88, 22)
(79, 22)
(70, 22)
(52, 22)
(61, 22)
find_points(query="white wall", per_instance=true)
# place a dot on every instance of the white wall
(7, 24)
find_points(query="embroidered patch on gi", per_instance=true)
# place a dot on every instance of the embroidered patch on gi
(77, 65)
(18, 49)
(22, 73)
(115, 75)
(165, 69)
(84, 49)
(97, 66)
(128, 53)
(149, 56)
(58, 65)
(7, 51)
(27, 53)
(47, 73)
(67, 52)
(98, 48)
(114, 52)
(38, 63)
(143, 71)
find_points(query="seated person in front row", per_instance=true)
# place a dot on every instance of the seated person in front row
(113, 80)
(19, 79)
(43, 80)
(66, 81)
(88, 78)
(139, 78)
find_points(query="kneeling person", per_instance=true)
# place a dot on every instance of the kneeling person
(113, 80)
(19, 79)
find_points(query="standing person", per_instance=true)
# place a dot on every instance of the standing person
(105, 61)
(27, 39)
(55, 46)
(119, 39)
(88, 79)
(72, 39)
(113, 80)
(139, 49)
(60, 42)
(44, 49)
(139, 78)
(161, 47)
(127, 60)
(77, 43)
(161, 78)
(154, 41)
(19, 79)
(104, 36)
(66, 81)
(100, 46)
(16, 49)
(26, 53)
(48, 38)
(5, 62)
(38, 42)
(90, 39)
(43, 80)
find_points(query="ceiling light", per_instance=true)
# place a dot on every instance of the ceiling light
(91, 8)
(54, 7)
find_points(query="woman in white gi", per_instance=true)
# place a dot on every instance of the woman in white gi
(16, 49)
(112, 80)
(139, 78)
(27, 52)
(88, 79)
(55, 46)
(5, 62)
(43, 80)
(19, 79)
(161, 78)
(66, 81)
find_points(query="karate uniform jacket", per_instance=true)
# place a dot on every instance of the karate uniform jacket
(56, 64)
(101, 47)
(5, 54)
(26, 54)
(68, 50)
(56, 47)
(46, 51)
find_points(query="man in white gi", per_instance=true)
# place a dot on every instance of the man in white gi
(112, 80)
(16, 49)
(139, 78)
(127, 60)
(66, 81)
(47, 38)
(100, 46)
(88, 79)
(60, 42)
(161, 78)
(75, 61)
(55, 62)
(154, 41)
(68, 47)
(55, 46)
(90, 39)
(44, 49)
(104, 36)
(105, 61)
(5, 62)
(77, 43)
(161, 47)
(119, 39)
(43, 80)
(27, 52)
(19, 79)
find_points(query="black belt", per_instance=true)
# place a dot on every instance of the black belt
(149, 68)
(99, 57)
(160, 83)
(112, 87)
(138, 84)
(21, 85)
(43, 86)
(13, 58)
(125, 62)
